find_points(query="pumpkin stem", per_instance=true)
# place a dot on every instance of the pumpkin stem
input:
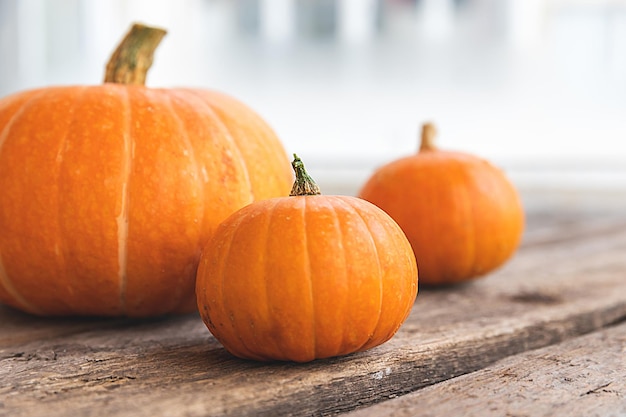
(131, 60)
(429, 131)
(304, 184)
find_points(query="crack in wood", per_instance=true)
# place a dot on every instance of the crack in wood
(597, 390)
(536, 297)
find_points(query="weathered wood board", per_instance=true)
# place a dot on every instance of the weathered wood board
(584, 376)
(568, 279)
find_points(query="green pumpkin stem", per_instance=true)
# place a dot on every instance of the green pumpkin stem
(132, 59)
(304, 184)
(429, 131)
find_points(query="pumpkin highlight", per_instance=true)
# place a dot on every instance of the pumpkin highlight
(109, 191)
(463, 217)
(306, 277)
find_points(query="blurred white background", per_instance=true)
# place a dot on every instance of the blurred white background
(536, 86)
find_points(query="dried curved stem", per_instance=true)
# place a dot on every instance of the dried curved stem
(132, 59)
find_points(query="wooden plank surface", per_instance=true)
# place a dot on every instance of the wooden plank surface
(584, 376)
(568, 279)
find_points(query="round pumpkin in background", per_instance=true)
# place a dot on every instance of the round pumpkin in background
(306, 277)
(463, 217)
(109, 191)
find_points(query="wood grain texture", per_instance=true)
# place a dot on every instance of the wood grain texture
(584, 376)
(568, 279)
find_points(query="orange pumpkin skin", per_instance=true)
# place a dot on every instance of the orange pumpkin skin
(109, 191)
(306, 277)
(461, 214)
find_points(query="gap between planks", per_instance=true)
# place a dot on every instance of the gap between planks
(584, 376)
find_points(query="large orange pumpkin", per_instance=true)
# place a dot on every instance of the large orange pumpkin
(306, 277)
(109, 191)
(461, 214)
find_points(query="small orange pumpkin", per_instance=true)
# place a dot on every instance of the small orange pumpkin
(306, 277)
(109, 191)
(463, 217)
